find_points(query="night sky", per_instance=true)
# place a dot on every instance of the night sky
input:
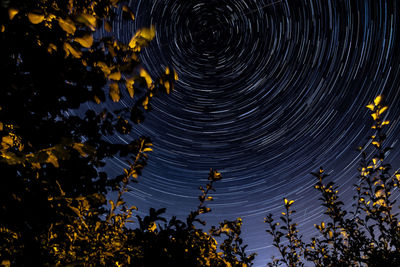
(268, 91)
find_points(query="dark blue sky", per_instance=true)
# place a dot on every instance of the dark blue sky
(268, 91)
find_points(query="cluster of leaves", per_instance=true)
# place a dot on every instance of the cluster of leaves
(369, 234)
(53, 191)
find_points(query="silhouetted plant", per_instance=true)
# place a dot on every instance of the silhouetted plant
(369, 233)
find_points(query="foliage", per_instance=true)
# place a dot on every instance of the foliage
(53, 191)
(369, 234)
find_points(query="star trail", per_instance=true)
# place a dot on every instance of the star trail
(268, 91)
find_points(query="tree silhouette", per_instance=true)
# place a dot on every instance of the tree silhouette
(369, 234)
(53, 189)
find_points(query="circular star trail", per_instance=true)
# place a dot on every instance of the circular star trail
(268, 91)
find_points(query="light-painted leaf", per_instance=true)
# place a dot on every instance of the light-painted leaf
(85, 41)
(371, 106)
(129, 86)
(35, 18)
(69, 49)
(377, 100)
(107, 26)
(148, 33)
(51, 48)
(114, 92)
(67, 25)
(146, 76)
(89, 20)
(116, 76)
(12, 12)
(104, 67)
(382, 110)
(147, 149)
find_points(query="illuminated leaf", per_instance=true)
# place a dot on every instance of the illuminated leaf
(147, 149)
(67, 25)
(330, 234)
(79, 147)
(129, 86)
(371, 107)
(35, 18)
(127, 13)
(375, 143)
(51, 48)
(382, 110)
(385, 123)
(377, 100)
(176, 75)
(107, 26)
(114, 92)
(167, 86)
(104, 67)
(71, 50)
(148, 33)
(85, 41)
(291, 202)
(146, 76)
(286, 201)
(167, 70)
(12, 12)
(88, 19)
(52, 159)
(97, 99)
(152, 227)
(374, 116)
(116, 76)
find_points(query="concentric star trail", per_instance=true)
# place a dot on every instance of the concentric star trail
(268, 92)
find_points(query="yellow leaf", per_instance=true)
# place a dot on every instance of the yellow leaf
(286, 201)
(89, 20)
(51, 48)
(374, 116)
(79, 147)
(146, 76)
(12, 12)
(67, 25)
(152, 227)
(145, 101)
(371, 106)
(52, 159)
(147, 149)
(97, 99)
(35, 18)
(323, 225)
(283, 213)
(114, 92)
(167, 70)
(85, 41)
(71, 50)
(385, 123)
(377, 100)
(330, 234)
(291, 202)
(107, 26)
(129, 86)
(7, 140)
(104, 67)
(148, 33)
(376, 144)
(167, 87)
(382, 110)
(176, 75)
(116, 76)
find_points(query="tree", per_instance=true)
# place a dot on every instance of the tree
(53, 61)
(369, 234)
(53, 204)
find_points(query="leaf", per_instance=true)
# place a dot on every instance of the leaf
(127, 13)
(79, 147)
(374, 116)
(85, 41)
(116, 76)
(146, 76)
(12, 12)
(286, 201)
(377, 100)
(69, 49)
(89, 20)
(52, 159)
(104, 67)
(107, 26)
(67, 25)
(371, 106)
(51, 48)
(382, 110)
(129, 86)
(35, 18)
(114, 92)
(147, 149)
(385, 123)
